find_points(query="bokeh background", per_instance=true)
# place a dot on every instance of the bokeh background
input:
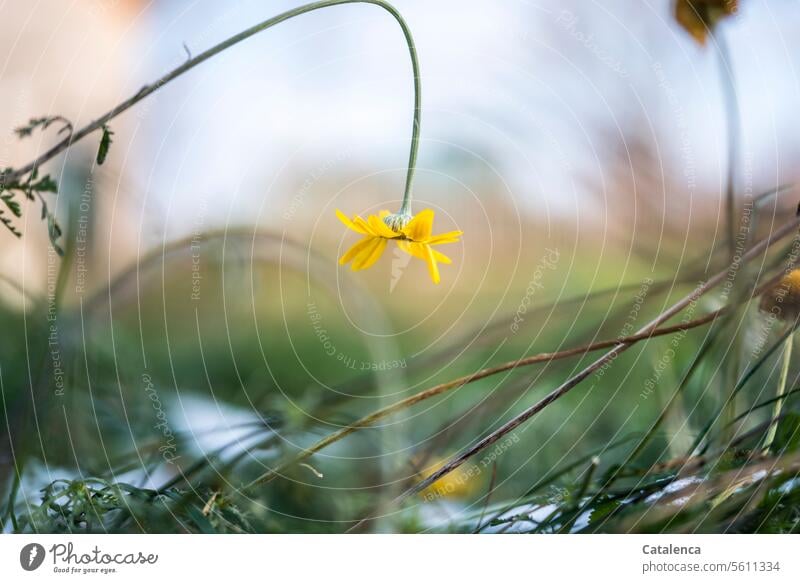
(199, 329)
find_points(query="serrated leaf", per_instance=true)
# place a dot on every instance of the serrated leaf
(9, 225)
(12, 204)
(105, 143)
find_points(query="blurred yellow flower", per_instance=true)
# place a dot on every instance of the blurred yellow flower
(783, 299)
(414, 236)
(462, 482)
(698, 17)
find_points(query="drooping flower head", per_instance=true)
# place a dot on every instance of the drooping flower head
(699, 17)
(413, 234)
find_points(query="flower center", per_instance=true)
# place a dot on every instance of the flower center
(397, 221)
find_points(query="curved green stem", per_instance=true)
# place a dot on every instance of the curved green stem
(216, 49)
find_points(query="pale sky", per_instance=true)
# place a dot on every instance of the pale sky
(527, 91)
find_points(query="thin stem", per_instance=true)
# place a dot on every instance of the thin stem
(488, 498)
(762, 404)
(776, 411)
(732, 122)
(579, 506)
(728, 83)
(231, 41)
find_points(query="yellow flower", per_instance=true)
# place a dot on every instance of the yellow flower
(415, 237)
(462, 482)
(700, 16)
(783, 299)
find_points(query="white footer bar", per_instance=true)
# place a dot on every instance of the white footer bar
(407, 558)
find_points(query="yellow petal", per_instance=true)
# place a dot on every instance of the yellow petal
(417, 250)
(356, 249)
(420, 227)
(428, 255)
(362, 224)
(411, 248)
(433, 269)
(441, 257)
(451, 237)
(381, 229)
(370, 254)
(350, 224)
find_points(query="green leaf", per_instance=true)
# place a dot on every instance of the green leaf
(602, 510)
(46, 184)
(44, 123)
(12, 204)
(105, 143)
(9, 225)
